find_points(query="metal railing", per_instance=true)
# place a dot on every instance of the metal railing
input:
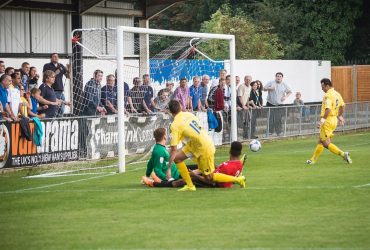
(284, 121)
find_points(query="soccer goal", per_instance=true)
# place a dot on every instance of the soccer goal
(127, 53)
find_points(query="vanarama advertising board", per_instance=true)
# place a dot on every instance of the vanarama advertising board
(60, 142)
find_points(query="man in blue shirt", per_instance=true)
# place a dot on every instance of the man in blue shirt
(196, 94)
(148, 102)
(5, 81)
(25, 70)
(92, 96)
(60, 70)
(109, 95)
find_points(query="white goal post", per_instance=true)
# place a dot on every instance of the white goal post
(120, 87)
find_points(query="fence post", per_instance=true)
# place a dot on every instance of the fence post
(286, 118)
(356, 116)
(367, 114)
(300, 121)
(268, 122)
(354, 79)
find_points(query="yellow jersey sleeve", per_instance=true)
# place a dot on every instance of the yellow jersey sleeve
(175, 135)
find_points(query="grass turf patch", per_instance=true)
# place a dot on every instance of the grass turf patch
(286, 205)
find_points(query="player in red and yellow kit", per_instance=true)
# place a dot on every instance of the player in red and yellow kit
(185, 128)
(232, 167)
(332, 110)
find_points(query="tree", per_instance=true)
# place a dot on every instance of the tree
(251, 41)
(317, 29)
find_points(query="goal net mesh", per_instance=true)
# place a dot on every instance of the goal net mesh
(165, 59)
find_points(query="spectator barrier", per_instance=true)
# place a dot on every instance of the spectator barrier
(90, 138)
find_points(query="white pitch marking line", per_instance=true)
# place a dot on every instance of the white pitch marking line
(360, 186)
(62, 183)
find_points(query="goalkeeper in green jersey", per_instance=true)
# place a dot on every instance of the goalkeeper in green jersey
(158, 164)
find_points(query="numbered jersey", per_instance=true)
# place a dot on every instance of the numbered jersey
(186, 128)
(332, 100)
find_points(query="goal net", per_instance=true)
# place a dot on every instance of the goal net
(122, 68)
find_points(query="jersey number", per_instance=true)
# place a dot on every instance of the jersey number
(194, 125)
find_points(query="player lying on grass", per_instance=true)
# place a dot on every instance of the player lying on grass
(332, 110)
(233, 167)
(185, 128)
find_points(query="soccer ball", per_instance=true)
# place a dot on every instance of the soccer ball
(255, 146)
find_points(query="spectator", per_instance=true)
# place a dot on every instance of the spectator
(227, 95)
(204, 91)
(243, 93)
(25, 70)
(136, 97)
(109, 95)
(7, 113)
(260, 89)
(162, 100)
(195, 94)
(9, 71)
(24, 104)
(33, 78)
(14, 93)
(2, 68)
(255, 102)
(126, 94)
(92, 96)
(219, 95)
(183, 96)
(60, 70)
(148, 102)
(222, 74)
(33, 111)
(304, 111)
(169, 87)
(17, 71)
(237, 81)
(278, 92)
(47, 99)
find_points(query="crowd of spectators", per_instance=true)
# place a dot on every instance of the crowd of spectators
(21, 95)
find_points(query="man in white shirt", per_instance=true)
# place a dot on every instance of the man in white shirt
(278, 92)
(14, 95)
(243, 92)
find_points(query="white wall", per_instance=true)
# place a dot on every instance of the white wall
(300, 75)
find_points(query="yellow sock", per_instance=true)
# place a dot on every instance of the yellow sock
(184, 173)
(318, 150)
(218, 177)
(335, 150)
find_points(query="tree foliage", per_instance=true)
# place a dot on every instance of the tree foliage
(317, 29)
(306, 29)
(252, 41)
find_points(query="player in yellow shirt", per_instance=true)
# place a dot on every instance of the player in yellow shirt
(185, 128)
(332, 110)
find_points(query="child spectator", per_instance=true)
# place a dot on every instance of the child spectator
(24, 105)
(35, 96)
(33, 78)
(304, 111)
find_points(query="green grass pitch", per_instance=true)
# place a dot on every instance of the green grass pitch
(286, 205)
